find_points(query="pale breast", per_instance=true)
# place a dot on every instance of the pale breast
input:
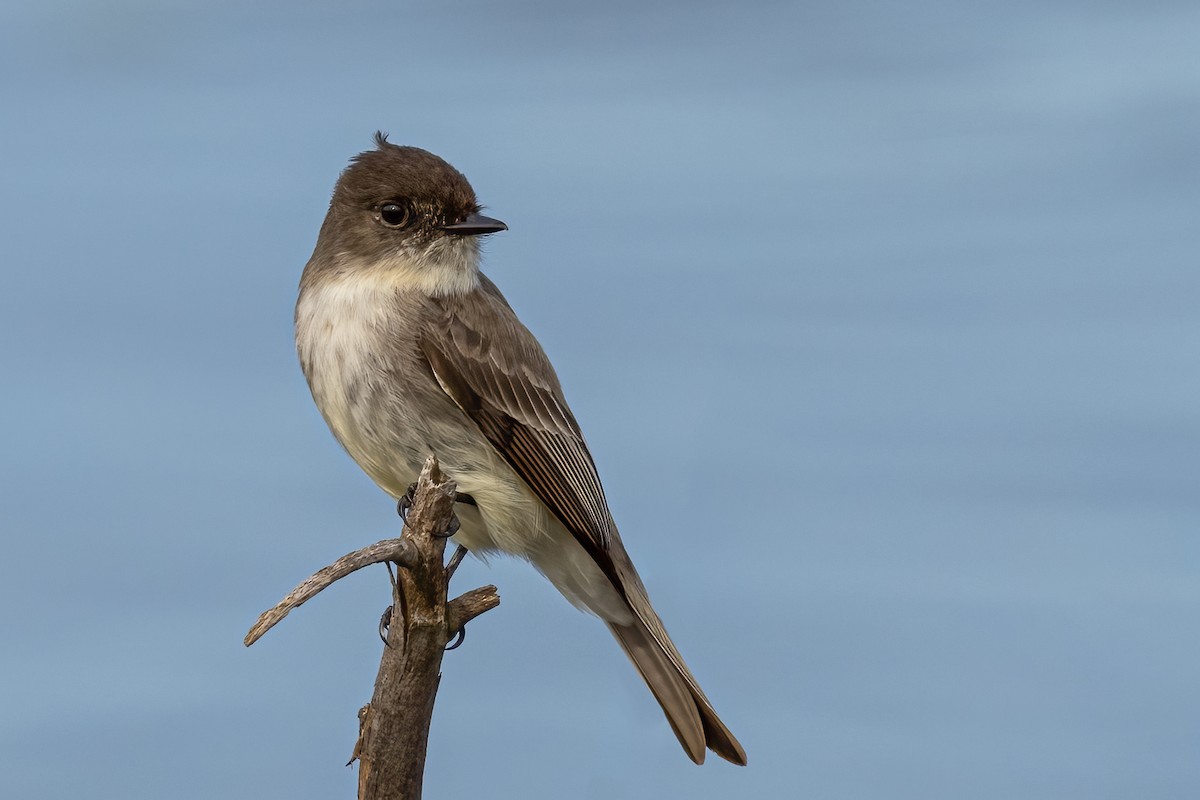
(357, 341)
(358, 358)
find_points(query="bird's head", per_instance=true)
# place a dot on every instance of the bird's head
(405, 210)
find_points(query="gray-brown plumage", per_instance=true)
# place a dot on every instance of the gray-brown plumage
(410, 350)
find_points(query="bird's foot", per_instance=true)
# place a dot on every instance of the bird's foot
(451, 529)
(455, 525)
(405, 503)
(406, 500)
(385, 623)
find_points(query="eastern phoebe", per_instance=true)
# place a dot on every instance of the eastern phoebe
(410, 350)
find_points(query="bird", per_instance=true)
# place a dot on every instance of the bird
(410, 350)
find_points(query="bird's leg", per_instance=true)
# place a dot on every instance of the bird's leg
(455, 560)
(460, 552)
(404, 504)
(385, 622)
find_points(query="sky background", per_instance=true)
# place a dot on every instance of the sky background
(882, 320)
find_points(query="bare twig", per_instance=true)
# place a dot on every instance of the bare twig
(469, 605)
(399, 551)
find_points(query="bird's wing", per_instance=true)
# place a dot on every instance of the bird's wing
(493, 368)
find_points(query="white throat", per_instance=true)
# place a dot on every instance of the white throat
(446, 266)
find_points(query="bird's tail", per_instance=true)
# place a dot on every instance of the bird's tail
(692, 717)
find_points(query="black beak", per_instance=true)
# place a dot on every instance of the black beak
(474, 225)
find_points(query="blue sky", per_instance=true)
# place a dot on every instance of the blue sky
(925, 523)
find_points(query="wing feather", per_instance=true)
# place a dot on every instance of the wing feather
(496, 372)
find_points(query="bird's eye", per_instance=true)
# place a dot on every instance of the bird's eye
(395, 215)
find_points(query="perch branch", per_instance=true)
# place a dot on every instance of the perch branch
(394, 726)
(395, 730)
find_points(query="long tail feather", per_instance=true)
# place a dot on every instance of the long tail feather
(689, 712)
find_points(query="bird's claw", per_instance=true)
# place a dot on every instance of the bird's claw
(458, 639)
(451, 529)
(406, 501)
(385, 624)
